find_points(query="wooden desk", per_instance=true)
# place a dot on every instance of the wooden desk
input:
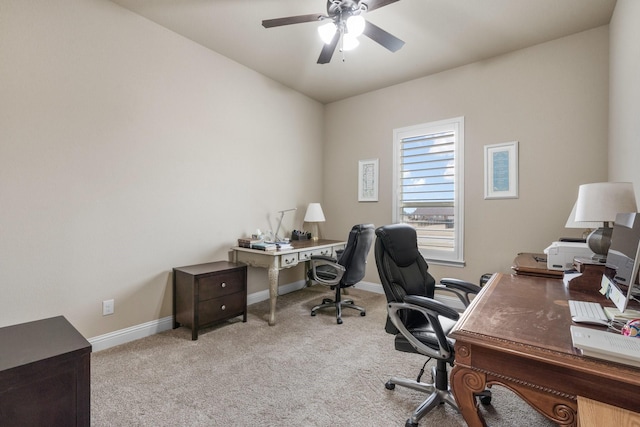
(516, 334)
(274, 261)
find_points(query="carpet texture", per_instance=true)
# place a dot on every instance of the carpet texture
(305, 371)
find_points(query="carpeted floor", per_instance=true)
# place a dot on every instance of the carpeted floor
(305, 371)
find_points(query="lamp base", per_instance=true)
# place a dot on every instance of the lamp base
(599, 241)
(314, 231)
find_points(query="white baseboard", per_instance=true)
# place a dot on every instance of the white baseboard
(102, 342)
(122, 336)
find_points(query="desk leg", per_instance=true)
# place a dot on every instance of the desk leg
(465, 383)
(273, 291)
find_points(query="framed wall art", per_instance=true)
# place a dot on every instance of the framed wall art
(368, 180)
(501, 171)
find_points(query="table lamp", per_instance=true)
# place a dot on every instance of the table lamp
(314, 215)
(587, 227)
(601, 201)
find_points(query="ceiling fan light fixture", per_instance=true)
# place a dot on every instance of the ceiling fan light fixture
(349, 42)
(355, 25)
(327, 31)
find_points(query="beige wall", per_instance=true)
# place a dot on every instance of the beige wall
(552, 98)
(624, 96)
(126, 150)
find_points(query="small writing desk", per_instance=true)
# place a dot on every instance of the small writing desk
(516, 334)
(274, 261)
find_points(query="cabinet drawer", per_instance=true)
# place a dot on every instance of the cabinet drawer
(288, 260)
(221, 308)
(218, 285)
(306, 255)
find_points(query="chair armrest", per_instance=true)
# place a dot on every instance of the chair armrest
(460, 288)
(432, 310)
(325, 270)
(435, 307)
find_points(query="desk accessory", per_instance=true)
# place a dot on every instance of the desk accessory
(590, 277)
(601, 202)
(632, 328)
(300, 235)
(602, 344)
(276, 239)
(246, 242)
(314, 215)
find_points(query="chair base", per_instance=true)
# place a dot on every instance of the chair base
(436, 396)
(338, 305)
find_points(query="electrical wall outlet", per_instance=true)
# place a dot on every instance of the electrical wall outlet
(108, 307)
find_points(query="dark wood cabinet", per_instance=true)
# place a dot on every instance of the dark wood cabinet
(44, 374)
(205, 294)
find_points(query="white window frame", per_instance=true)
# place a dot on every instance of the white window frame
(456, 125)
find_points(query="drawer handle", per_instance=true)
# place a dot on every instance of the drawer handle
(224, 285)
(288, 261)
(223, 308)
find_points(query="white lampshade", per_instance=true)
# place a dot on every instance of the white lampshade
(355, 25)
(572, 223)
(602, 201)
(327, 31)
(314, 213)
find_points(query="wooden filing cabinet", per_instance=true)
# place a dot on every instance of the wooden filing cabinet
(45, 375)
(205, 294)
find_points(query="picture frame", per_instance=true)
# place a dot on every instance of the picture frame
(501, 171)
(368, 180)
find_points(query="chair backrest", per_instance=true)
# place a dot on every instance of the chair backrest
(401, 266)
(354, 256)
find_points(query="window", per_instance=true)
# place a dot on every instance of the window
(428, 187)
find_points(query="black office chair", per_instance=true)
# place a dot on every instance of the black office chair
(419, 322)
(347, 269)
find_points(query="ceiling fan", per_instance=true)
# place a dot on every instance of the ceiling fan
(344, 23)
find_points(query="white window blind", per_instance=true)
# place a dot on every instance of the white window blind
(428, 187)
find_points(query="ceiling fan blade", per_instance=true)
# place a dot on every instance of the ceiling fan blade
(328, 49)
(376, 4)
(380, 36)
(278, 22)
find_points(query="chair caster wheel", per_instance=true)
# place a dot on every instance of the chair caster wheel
(410, 424)
(485, 400)
(313, 313)
(389, 385)
(362, 313)
(339, 321)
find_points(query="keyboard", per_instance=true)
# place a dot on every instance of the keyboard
(592, 310)
(606, 345)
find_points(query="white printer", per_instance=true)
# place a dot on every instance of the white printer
(560, 255)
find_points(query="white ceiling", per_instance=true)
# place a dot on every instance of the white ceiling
(439, 35)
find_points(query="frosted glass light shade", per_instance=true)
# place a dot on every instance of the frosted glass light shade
(349, 42)
(314, 213)
(327, 31)
(355, 25)
(601, 201)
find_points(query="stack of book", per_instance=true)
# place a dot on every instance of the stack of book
(262, 246)
(246, 242)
